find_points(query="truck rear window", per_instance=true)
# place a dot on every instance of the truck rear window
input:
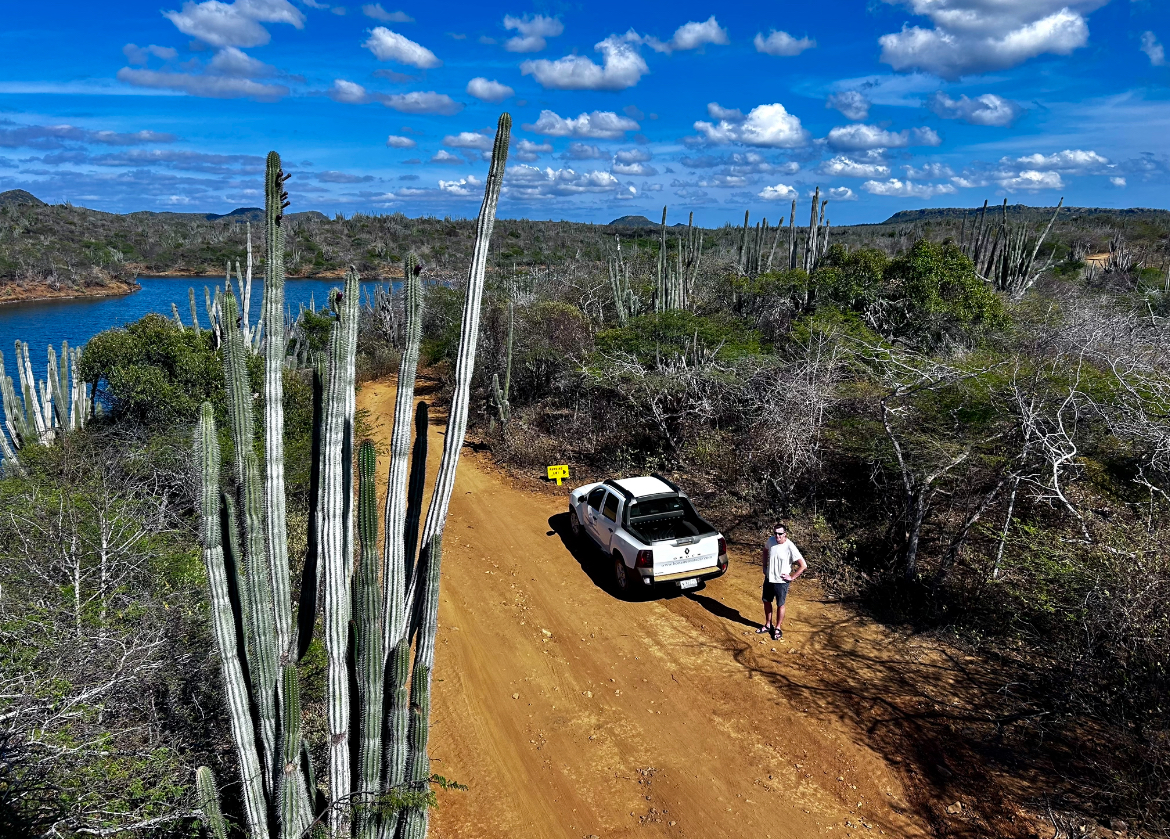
(656, 507)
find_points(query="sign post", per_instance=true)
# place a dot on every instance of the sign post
(558, 473)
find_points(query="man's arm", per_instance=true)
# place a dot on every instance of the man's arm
(799, 563)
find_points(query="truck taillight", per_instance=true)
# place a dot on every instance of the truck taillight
(645, 559)
(722, 546)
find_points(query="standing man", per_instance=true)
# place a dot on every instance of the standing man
(783, 563)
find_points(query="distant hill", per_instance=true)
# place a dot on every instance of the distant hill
(239, 215)
(1017, 212)
(19, 196)
(632, 221)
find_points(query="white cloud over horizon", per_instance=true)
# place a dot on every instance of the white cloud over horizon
(387, 45)
(604, 125)
(622, 66)
(782, 44)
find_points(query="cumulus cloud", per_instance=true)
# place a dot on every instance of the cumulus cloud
(633, 162)
(236, 24)
(1031, 180)
(396, 142)
(533, 31)
(375, 11)
(333, 177)
(140, 55)
(842, 193)
(927, 171)
(190, 161)
(528, 151)
(851, 103)
(231, 61)
(197, 84)
(1118, 182)
(1069, 160)
(530, 182)
(583, 151)
(489, 90)
(468, 187)
(390, 46)
(422, 102)
(846, 167)
(862, 136)
(351, 93)
(1152, 48)
(444, 156)
(468, 140)
(975, 36)
(603, 125)
(778, 192)
(691, 36)
(781, 43)
(622, 66)
(896, 188)
(717, 111)
(767, 125)
(987, 109)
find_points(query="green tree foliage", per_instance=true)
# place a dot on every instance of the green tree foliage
(681, 333)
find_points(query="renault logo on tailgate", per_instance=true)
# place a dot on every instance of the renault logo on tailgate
(687, 551)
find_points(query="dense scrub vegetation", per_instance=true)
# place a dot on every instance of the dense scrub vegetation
(991, 469)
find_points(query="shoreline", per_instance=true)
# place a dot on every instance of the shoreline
(34, 292)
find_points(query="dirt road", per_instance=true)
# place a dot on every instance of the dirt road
(570, 713)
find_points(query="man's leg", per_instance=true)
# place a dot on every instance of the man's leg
(767, 613)
(781, 604)
(780, 615)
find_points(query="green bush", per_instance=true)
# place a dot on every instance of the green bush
(666, 334)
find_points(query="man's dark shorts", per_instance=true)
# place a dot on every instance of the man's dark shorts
(775, 591)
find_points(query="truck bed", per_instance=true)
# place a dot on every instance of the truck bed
(669, 519)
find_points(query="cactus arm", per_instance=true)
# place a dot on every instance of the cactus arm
(14, 418)
(28, 386)
(224, 625)
(307, 607)
(276, 539)
(194, 309)
(367, 605)
(337, 554)
(208, 803)
(295, 810)
(57, 398)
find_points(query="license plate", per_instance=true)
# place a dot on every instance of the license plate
(688, 583)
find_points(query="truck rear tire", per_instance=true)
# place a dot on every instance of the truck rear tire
(623, 579)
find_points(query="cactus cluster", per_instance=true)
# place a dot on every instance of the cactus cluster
(500, 394)
(753, 242)
(1001, 253)
(676, 277)
(43, 409)
(374, 616)
(625, 301)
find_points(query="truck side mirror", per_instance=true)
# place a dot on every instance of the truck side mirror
(580, 499)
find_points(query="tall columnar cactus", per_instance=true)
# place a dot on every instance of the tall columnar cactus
(393, 603)
(43, 409)
(500, 394)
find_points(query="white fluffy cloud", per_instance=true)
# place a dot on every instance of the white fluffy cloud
(390, 46)
(633, 162)
(781, 43)
(768, 126)
(231, 61)
(717, 111)
(1069, 160)
(235, 24)
(975, 36)
(533, 31)
(846, 167)
(422, 102)
(861, 136)
(489, 90)
(1152, 48)
(468, 140)
(842, 193)
(375, 11)
(987, 109)
(851, 103)
(468, 187)
(583, 151)
(604, 125)
(395, 141)
(1118, 182)
(691, 36)
(1030, 180)
(927, 171)
(351, 93)
(622, 66)
(444, 156)
(896, 188)
(527, 151)
(530, 182)
(778, 192)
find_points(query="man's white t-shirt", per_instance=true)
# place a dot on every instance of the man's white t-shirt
(780, 559)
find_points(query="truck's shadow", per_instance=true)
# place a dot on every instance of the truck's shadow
(597, 566)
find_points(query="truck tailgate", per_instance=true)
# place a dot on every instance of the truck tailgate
(676, 558)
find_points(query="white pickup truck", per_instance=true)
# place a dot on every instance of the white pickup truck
(649, 531)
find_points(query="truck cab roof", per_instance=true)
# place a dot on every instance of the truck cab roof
(641, 487)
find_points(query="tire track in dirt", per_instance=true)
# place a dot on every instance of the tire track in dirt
(570, 713)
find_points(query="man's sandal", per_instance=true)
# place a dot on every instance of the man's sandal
(763, 629)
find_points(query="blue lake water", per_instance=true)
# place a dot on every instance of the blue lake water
(44, 322)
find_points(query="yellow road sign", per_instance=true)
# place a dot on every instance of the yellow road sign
(558, 473)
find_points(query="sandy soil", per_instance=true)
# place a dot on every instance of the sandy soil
(570, 713)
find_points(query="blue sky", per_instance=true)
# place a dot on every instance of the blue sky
(618, 107)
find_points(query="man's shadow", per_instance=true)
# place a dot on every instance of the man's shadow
(720, 610)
